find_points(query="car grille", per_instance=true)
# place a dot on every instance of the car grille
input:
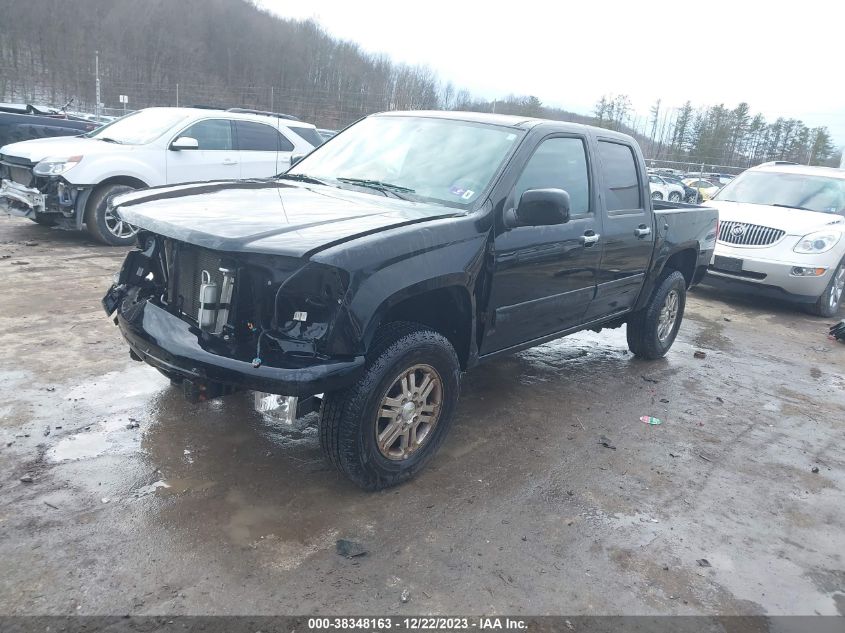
(190, 262)
(743, 234)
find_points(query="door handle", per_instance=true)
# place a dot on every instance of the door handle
(589, 238)
(229, 161)
(642, 231)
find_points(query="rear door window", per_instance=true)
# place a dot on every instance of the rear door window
(309, 134)
(621, 184)
(258, 137)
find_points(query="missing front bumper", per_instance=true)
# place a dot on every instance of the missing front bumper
(21, 201)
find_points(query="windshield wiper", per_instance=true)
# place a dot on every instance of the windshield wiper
(384, 187)
(106, 139)
(790, 206)
(303, 178)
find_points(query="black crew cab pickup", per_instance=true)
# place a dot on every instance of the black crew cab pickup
(408, 249)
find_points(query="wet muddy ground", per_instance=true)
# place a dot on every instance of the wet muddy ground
(140, 503)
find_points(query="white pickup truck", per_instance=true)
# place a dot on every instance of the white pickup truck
(69, 181)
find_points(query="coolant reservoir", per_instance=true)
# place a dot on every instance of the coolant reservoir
(208, 302)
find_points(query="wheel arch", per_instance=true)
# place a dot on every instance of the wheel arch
(443, 304)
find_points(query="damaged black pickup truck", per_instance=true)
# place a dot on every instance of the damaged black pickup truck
(408, 249)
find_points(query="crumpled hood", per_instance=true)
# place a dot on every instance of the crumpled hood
(793, 221)
(268, 216)
(60, 147)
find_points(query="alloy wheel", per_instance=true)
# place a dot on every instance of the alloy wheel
(118, 227)
(837, 287)
(409, 411)
(668, 316)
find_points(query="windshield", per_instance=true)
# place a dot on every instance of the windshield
(139, 128)
(441, 160)
(800, 191)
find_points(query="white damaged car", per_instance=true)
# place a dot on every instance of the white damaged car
(781, 233)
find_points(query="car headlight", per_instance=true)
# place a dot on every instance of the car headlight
(817, 242)
(56, 166)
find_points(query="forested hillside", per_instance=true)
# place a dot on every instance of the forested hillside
(231, 53)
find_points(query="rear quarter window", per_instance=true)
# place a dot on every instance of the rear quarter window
(259, 137)
(621, 184)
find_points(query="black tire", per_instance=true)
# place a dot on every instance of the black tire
(828, 304)
(44, 220)
(349, 418)
(95, 216)
(643, 338)
(674, 197)
(656, 195)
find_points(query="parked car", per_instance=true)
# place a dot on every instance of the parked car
(408, 249)
(70, 181)
(690, 195)
(781, 234)
(24, 121)
(663, 189)
(705, 188)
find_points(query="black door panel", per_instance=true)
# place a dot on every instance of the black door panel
(544, 277)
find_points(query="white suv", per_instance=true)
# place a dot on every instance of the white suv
(781, 232)
(69, 181)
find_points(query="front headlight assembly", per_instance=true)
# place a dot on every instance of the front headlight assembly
(56, 166)
(818, 242)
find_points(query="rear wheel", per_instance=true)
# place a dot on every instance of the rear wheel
(103, 223)
(656, 195)
(652, 330)
(674, 197)
(383, 429)
(830, 301)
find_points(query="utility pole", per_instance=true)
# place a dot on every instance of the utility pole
(177, 95)
(271, 98)
(97, 76)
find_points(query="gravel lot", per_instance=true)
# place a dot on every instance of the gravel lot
(140, 503)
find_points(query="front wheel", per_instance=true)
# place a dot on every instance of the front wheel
(656, 195)
(830, 301)
(674, 197)
(103, 223)
(652, 330)
(383, 429)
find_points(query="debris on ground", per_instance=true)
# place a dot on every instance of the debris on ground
(406, 595)
(26, 479)
(703, 562)
(726, 319)
(30, 243)
(838, 331)
(349, 549)
(647, 379)
(604, 441)
(699, 354)
(19, 262)
(664, 400)
(133, 424)
(705, 458)
(50, 505)
(46, 431)
(814, 469)
(719, 400)
(647, 419)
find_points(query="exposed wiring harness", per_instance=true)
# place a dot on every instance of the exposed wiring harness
(257, 361)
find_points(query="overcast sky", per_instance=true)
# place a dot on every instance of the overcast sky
(783, 58)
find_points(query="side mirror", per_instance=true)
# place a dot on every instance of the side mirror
(185, 142)
(295, 158)
(539, 207)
